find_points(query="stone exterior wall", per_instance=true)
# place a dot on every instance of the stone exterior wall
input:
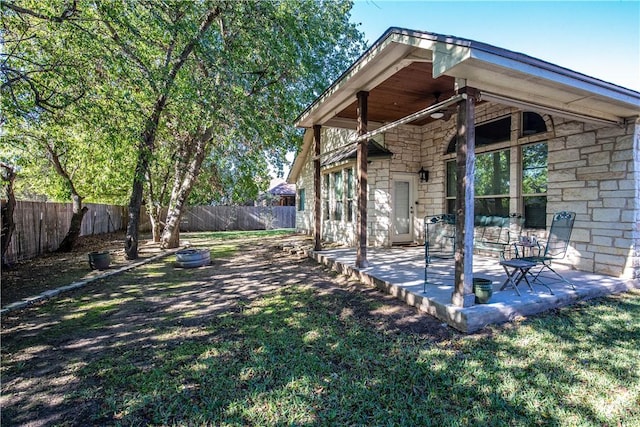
(592, 170)
(404, 142)
(305, 217)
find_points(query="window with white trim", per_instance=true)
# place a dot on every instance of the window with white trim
(337, 195)
(325, 197)
(350, 194)
(301, 199)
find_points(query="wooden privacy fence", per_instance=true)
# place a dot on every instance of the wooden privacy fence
(221, 218)
(224, 218)
(41, 226)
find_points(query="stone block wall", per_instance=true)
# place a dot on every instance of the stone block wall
(595, 172)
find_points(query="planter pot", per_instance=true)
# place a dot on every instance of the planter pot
(190, 258)
(483, 289)
(99, 260)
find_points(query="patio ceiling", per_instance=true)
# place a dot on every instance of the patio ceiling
(410, 89)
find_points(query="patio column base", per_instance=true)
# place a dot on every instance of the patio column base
(467, 300)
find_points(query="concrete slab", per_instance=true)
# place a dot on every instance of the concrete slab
(401, 272)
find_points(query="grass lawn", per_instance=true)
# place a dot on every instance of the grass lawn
(296, 355)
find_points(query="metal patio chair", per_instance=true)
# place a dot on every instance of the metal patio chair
(555, 247)
(439, 242)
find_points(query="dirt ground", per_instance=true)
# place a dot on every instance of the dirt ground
(36, 386)
(31, 277)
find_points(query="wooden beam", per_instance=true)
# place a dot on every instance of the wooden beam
(317, 206)
(361, 164)
(465, 165)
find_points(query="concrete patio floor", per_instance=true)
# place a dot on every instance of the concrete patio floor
(399, 271)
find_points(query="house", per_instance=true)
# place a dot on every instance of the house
(284, 194)
(385, 145)
(280, 193)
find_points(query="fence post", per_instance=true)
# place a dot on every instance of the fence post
(40, 234)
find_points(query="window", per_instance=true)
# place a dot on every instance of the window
(325, 197)
(532, 123)
(337, 195)
(534, 184)
(488, 133)
(491, 181)
(350, 194)
(301, 199)
(492, 171)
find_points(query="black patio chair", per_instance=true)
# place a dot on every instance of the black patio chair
(439, 241)
(555, 247)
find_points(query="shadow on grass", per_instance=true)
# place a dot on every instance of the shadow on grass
(263, 338)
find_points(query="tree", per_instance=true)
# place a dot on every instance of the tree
(160, 54)
(220, 82)
(7, 177)
(52, 114)
(268, 60)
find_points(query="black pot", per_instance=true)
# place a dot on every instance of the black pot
(99, 260)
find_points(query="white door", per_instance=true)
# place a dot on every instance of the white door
(402, 211)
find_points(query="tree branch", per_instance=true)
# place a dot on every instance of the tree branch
(57, 164)
(129, 52)
(65, 15)
(186, 51)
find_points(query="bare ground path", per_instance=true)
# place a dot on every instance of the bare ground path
(141, 313)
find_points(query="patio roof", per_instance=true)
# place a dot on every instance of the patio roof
(404, 71)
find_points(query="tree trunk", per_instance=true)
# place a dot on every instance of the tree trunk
(135, 204)
(76, 223)
(78, 211)
(156, 224)
(185, 179)
(154, 208)
(145, 150)
(8, 225)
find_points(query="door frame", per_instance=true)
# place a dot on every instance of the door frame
(394, 238)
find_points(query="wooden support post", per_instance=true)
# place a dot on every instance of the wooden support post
(361, 228)
(465, 165)
(317, 206)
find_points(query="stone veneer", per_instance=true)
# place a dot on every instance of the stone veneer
(593, 170)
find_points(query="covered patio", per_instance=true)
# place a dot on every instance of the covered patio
(400, 271)
(470, 130)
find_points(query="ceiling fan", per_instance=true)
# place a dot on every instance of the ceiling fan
(444, 113)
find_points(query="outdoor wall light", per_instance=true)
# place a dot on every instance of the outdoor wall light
(424, 174)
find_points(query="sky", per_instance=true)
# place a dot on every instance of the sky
(597, 38)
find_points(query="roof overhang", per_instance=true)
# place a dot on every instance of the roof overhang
(391, 53)
(530, 80)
